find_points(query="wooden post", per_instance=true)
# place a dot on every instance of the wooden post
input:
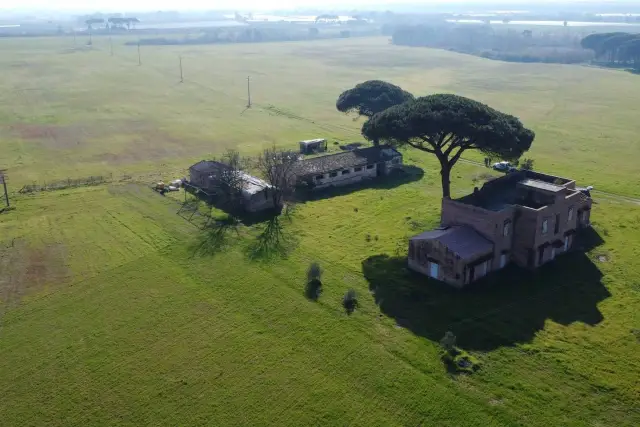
(4, 185)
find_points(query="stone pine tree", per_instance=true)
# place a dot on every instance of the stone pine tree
(447, 126)
(371, 97)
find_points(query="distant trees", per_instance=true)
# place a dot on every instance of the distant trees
(93, 21)
(447, 126)
(501, 42)
(371, 97)
(327, 18)
(120, 22)
(617, 47)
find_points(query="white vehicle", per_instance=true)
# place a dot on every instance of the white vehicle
(503, 167)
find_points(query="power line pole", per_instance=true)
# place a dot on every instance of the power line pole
(248, 92)
(139, 60)
(110, 45)
(181, 76)
(4, 185)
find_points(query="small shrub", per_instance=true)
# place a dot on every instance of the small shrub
(355, 209)
(460, 362)
(367, 237)
(350, 301)
(314, 272)
(313, 289)
(376, 238)
(527, 164)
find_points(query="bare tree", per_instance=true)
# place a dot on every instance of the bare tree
(230, 179)
(278, 169)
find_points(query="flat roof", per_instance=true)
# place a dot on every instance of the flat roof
(541, 185)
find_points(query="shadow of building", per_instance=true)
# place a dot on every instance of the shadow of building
(503, 309)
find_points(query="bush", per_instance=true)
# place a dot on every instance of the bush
(460, 362)
(314, 272)
(527, 164)
(313, 289)
(350, 301)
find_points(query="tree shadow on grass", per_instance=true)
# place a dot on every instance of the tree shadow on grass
(215, 236)
(399, 177)
(273, 242)
(506, 308)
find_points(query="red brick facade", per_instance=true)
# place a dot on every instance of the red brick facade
(528, 234)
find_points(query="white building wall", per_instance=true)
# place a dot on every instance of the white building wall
(342, 179)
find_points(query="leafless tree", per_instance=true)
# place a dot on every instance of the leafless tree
(231, 179)
(278, 169)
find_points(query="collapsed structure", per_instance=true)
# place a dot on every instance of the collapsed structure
(212, 177)
(524, 217)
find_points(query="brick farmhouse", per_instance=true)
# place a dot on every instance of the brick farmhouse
(524, 217)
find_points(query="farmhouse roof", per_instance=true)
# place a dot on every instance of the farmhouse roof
(347, 159)
(462, 240)
(209, 166)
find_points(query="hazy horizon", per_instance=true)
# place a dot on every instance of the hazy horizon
(197, 5)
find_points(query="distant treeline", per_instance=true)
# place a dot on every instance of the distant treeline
(257, 35)
(615, 48)
(505, 44)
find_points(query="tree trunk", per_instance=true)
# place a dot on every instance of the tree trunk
(445, 173)
(376, 142)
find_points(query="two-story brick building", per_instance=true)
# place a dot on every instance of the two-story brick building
(525, 217)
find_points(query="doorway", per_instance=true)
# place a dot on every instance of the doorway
(434, 270)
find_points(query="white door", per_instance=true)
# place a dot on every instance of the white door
(566, 243)
(434, 270)
(503, 260)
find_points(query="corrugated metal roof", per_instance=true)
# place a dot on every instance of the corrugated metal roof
(462, 240)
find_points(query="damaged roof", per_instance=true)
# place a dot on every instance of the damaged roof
(462, 240)
(347, 159)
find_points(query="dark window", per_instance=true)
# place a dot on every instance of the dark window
(369, 166)
(320, 177)
(333, 174)
(346, 171)
(540, 255)
(545, 226)
(557, 226)
(358, 169)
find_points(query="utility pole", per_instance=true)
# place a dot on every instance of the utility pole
(4, 185)
(139, 61)
(90, 38)
(110, 45)
(248, 92)
(74, 38)
(181, 76)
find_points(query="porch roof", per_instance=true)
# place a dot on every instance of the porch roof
(462, 240)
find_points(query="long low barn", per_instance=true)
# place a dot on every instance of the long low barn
(348, 167)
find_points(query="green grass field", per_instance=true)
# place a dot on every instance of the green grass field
(116, 311)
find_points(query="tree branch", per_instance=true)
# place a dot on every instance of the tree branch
(421, 147)
(456, 156)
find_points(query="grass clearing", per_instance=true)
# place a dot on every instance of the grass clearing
(132, 325)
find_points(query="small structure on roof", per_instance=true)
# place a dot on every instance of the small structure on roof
(525, 217)
(347, 167)
(209, 176)
(311, 146)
